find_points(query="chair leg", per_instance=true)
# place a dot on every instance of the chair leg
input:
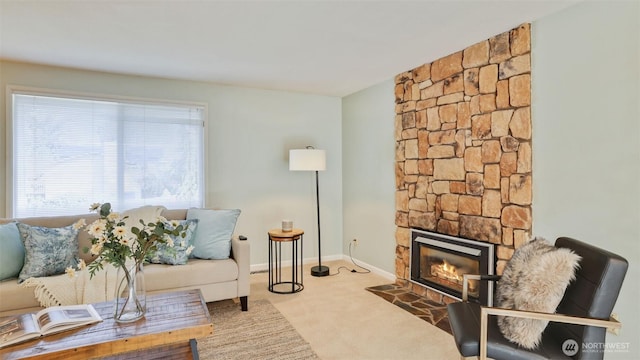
(244, 303)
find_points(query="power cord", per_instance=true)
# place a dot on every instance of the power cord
(354, 263)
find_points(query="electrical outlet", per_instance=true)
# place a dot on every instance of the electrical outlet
(614, 316)
(355, 242)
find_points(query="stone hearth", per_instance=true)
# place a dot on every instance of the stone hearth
(463, 148)
(432, 312)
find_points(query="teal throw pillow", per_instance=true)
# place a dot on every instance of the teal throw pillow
(11, 251)
(213, 235)
(178, 251)
(49, 251)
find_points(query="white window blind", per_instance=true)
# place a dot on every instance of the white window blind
(69, 153)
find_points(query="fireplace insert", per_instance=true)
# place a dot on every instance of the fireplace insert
(438, 262)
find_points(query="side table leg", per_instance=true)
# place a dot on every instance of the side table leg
(270, 286)
(294, 257)
(279, 261)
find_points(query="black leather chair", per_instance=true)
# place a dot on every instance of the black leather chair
(583, 314)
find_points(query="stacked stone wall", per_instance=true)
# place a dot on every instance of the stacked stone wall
(463, 147)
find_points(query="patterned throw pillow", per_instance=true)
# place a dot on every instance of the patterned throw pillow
(48, 251)
(179, 253)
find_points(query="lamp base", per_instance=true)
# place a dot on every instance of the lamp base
(320, 271)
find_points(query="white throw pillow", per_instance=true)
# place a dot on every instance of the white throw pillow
(147, 213)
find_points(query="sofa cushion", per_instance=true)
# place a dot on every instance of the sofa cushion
(48, 251)
(195, 273)
(535, 279)
(15, 296)
(181, 247)
(213, 235)
(11, 251)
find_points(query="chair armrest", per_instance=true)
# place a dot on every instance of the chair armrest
(568, 319)
(467, 277)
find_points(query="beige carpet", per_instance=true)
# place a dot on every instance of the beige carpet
(341, 320)
(260, 333)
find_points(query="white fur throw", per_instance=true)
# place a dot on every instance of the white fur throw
(535, 279)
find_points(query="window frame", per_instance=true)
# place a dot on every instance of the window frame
(81, 95)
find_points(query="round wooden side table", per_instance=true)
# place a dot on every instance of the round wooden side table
(276, 238)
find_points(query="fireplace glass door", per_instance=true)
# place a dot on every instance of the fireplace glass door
(446, 269)
(439, 262)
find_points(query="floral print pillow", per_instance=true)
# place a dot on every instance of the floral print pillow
(177, 250)
(48, 251)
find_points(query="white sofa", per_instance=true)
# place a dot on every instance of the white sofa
(217, 279)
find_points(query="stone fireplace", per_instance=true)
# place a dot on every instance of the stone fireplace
(463, 149)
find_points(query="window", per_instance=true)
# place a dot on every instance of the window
(69, 152)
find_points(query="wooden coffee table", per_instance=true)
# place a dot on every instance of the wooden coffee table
(172, 320)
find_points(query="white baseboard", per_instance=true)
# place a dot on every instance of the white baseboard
(385, 274)
(262, 267)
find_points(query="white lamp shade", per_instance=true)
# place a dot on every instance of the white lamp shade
(307, 160)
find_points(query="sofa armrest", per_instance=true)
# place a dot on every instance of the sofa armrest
(240, 251)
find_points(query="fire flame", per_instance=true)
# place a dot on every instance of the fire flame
(447, 271)
(451, 273)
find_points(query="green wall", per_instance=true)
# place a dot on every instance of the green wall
(250, 132)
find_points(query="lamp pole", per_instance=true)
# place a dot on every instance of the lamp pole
(319, 270)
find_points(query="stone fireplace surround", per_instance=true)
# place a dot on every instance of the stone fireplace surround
(463, 149)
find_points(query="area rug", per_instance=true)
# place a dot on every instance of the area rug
(260, 333)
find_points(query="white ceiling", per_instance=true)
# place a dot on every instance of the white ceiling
(322, 47)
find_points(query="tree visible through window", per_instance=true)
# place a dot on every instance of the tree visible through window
(71, 152)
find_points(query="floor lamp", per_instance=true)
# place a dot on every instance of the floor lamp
(311, 159)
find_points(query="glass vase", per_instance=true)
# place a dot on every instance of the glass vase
(130, 301)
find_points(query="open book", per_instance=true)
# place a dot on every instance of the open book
(19, 328)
